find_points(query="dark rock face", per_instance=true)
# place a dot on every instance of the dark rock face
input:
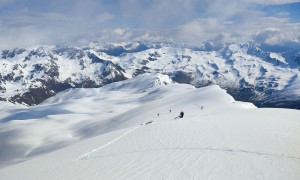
(290, 104)
(182, 77)
(11, 54)
(51, 87)
(32, 97)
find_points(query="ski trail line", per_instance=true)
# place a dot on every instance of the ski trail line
(88, 155)
(208, 150)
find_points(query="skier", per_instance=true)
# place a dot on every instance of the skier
(181, 114)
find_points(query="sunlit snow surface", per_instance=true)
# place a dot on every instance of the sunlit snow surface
(128, 130)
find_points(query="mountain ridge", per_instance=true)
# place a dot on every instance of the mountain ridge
(249, 72)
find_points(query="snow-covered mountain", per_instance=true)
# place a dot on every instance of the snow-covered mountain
(129, 130)
(33, 75)
(266, 75)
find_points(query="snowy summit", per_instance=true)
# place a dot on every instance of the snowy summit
(129, 130)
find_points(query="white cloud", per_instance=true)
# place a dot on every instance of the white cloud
(199, 30)
(22, 37)
(129, 34)
(269, 35)
(260, 29)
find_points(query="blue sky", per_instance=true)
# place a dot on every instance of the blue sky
(293, 10)
(32, 22)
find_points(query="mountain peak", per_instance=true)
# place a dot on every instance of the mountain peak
(141, 83)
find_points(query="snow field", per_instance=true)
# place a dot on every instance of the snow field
(119, 135)
(214, 147)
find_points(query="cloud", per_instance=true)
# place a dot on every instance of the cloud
(77, 22)
(129, 35)
(24, 36)
(199, 30)
(270, 30)
(268, 35)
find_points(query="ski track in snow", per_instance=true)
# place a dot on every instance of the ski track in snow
(202, 149)
(88, 155)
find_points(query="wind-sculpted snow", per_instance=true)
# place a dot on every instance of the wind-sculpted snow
(82, 113)
(129, 130)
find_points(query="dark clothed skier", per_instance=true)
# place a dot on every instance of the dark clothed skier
(181, 114)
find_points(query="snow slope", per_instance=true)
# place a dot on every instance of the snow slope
(120, 135)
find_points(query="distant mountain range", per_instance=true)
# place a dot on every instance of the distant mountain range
(266, 75)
